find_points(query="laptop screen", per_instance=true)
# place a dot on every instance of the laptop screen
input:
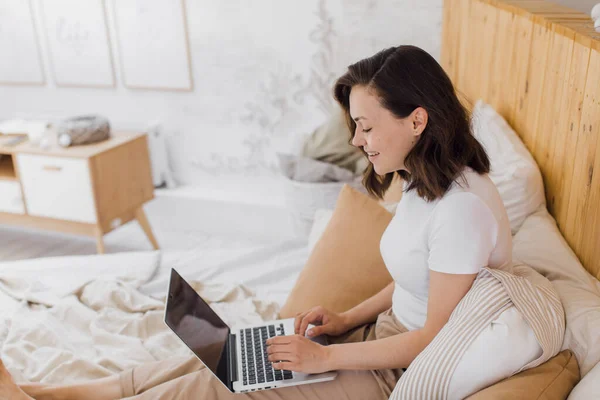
(197, 325)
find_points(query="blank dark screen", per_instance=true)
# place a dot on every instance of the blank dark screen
(200, 328)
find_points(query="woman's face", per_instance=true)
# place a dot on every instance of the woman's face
(386, 138)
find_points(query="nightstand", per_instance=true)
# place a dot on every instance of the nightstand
(88, 190)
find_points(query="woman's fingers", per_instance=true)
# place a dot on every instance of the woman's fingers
(319, 330)
(286, 357)
(284, 365)
(298, 321)
(276, 348)
(309, 318)
(278, 357)
(313, 316)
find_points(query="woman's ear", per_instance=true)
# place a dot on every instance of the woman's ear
(419, 120)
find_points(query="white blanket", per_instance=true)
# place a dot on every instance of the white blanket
(70, 319)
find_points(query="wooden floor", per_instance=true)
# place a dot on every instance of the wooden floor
(178, 224)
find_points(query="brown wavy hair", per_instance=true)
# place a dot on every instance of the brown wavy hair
(404, 78)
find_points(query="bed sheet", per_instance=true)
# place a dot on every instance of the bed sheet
(70, 319)
(269, 270)
(540, 245)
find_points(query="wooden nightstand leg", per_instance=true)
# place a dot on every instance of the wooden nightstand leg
(99, 241)
(140, 215)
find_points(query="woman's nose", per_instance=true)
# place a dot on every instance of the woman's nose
(357, 140)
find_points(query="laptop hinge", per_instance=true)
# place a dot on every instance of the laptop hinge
(233, 375)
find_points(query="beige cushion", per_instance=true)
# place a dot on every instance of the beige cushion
(552, 380)
(345, 266)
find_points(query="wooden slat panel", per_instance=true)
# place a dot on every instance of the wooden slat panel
(566, 145)
(554, 103)
(585, 32)
(448, 31)
(520, 69)
(543, 76)
(534, 86)
(499, 80)
(463, 62)
(522, 31)
(590, 123)
(481, 41)
(537, 7)
(583, 167)
(559, 18)
(451, 24)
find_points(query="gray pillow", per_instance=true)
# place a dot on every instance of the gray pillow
(305, 169)
(329, 143)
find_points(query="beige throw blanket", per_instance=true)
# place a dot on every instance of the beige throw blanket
(493, 291)
(71, 319)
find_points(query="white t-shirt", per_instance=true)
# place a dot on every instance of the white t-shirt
(460, 233)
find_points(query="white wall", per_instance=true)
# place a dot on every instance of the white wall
(262, 73)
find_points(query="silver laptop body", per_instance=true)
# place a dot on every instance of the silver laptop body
(236, 356)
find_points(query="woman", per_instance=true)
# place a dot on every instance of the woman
(403, 113)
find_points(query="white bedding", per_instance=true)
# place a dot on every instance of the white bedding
(92, 316)
(540, 245)
(68, 319)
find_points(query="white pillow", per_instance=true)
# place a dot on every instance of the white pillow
(589, 387)
(513, 169)
(322, 217)
(540, 244)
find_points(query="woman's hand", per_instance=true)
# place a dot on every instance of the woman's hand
(297, 353)
(329, 322)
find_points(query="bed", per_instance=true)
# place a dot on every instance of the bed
(536, 63)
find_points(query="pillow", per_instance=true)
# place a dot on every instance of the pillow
(330, 143)
(322, 218)
(345, 266)
(486, 353)
(588, 387)
(540, 245)
(513, 169)
(305, 169)
(553, 379)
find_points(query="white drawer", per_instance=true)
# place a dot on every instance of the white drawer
(11, 199)
(56, 187)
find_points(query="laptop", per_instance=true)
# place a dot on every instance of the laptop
(236, 355)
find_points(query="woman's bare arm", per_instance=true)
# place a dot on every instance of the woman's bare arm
(398, 351)
(368, 310)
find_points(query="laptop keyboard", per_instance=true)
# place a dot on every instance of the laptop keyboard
(256, 367)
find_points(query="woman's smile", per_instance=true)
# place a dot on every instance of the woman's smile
(373, 156)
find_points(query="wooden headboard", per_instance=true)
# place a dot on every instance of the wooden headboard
(538, 64)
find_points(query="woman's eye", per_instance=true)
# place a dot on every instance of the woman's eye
(367, 130)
